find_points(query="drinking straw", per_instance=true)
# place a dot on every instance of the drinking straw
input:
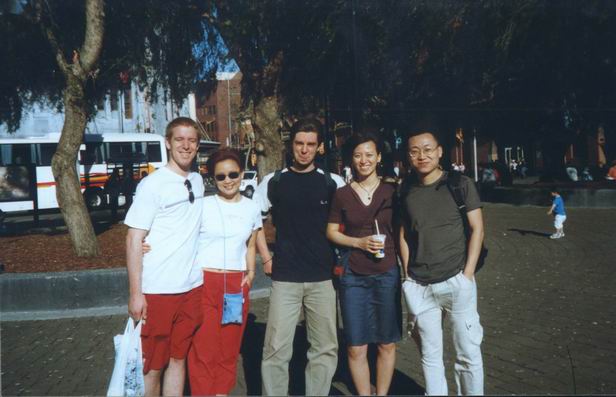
(376, 223)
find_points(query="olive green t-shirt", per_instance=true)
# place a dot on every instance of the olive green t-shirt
(434, 229)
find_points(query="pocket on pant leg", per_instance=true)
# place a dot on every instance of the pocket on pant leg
(412, 296)
(475, 330)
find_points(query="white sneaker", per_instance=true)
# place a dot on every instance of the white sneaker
(555, 236)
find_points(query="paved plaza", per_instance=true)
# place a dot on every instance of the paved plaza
(548, 308)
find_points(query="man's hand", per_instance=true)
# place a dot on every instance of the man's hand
(471, 277)
(137, 307)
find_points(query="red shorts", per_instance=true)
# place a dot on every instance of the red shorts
(172, 320)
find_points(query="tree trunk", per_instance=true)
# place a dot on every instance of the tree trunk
(266, 123)
(63, 164)
(64, 161)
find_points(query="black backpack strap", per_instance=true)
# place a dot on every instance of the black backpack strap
(272, 193)
(454, 182)
(272, 187)
(332, 186)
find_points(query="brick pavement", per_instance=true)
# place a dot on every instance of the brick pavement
(547, 308)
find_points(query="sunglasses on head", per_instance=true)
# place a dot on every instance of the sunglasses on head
(191, 195)
(231, 175)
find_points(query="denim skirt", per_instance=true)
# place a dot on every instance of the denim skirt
(371, 309)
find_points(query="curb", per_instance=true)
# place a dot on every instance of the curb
(34, 296)
(91, 312)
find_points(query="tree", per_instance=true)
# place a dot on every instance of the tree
(524, 68)
(70, 54)
(286, 52)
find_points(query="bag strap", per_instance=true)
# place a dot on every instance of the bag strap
(454, 182)
(224, 248)
(272, 187)
(332, 186)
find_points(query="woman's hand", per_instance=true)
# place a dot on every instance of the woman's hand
(145, 247)
(369, 244)
(267, 267)
(248, 278)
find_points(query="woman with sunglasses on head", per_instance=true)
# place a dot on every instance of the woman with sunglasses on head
(370, 284)
(227, 255)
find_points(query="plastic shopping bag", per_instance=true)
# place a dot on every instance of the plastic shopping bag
(127, 376)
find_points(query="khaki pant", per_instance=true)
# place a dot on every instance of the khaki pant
(286, 302)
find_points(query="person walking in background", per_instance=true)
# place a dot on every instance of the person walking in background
(370, 285)
(227, 256)
(558, 211)
(299, 198)
(440, 263)
(164, 284)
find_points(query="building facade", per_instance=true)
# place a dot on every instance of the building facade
(219, 111)
(125, 111)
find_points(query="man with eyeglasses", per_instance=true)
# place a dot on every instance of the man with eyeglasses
(165, 284)
(299, 197)
(440, 264)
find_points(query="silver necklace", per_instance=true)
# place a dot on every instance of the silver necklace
(370, 190)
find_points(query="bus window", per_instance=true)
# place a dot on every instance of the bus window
(45, 152)
(119, 150)
(16, 154)
(153, 153)
(93, 154)
(5, 154)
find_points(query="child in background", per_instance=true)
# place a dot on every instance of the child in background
(558, 210)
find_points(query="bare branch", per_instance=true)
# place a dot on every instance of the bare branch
(95, 29)
(51, 37)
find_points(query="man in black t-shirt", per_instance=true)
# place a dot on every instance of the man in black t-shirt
(299, 198)
(440, 265)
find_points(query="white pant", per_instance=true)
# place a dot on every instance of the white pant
(456, 296)
(559, 221)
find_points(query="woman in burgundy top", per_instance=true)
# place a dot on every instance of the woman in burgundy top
(370, 285)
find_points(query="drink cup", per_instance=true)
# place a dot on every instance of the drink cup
(380, 238)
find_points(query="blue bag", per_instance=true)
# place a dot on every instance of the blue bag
(232, 304)
(232, 308)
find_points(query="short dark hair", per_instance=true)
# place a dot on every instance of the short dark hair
(222, 155)
(184, 122)
(362, 137)
(414, 133)
(307, 124)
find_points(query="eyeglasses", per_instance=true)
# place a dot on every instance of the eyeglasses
(231, 175)
(415, 152)
(191, 195)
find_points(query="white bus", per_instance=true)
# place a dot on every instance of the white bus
(26, 179)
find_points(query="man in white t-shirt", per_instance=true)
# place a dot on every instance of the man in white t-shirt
(164, 284)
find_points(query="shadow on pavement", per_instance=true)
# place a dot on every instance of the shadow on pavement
(531, 232)
(52, 223)
(401, 384)
(252, 349)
